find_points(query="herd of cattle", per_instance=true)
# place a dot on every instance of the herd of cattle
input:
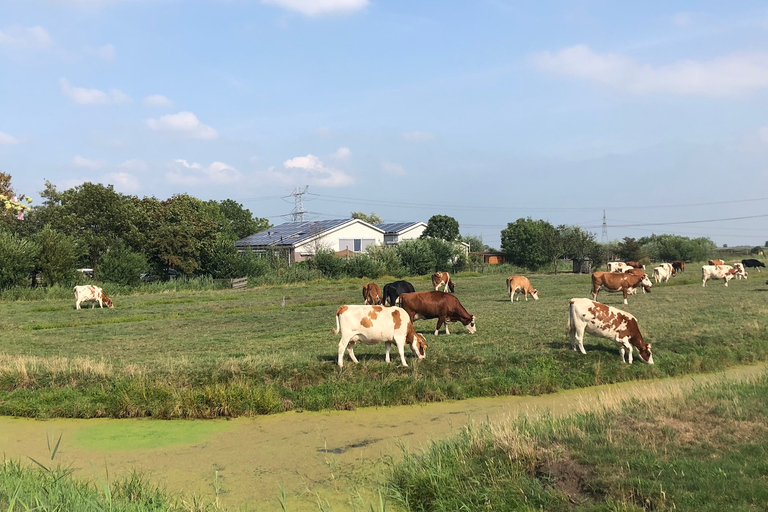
(387, 315)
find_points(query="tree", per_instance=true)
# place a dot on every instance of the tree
(9, 201)
(523, 243)
(121, 265)
(442, 227)
(370, 219)
(475, 243)
(630, 249)
(57, 256)
(240, 222)
(416, 257)
(18, 256)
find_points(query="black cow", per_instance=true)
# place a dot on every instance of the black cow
(753, 264)
(394, 290)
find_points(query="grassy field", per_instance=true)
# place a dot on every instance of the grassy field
(211, 353)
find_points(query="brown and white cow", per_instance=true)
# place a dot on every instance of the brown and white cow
(89, 292)
(606, 322)
(522, 285)
(741, 272)
(442, 279)
(617, 266)
(716, 262)
(636, 264)
(724, 272)
(614, 282)
(661, 274)
(377, 324)
(441, 305)
(670, 268)
(372, 294)
(637, 272)
(678, 265)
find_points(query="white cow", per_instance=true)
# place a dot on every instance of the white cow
(89, 293)
(617, 266)
(724, 272)
(606, 322)
(377, 324)
(661, 274)
(741, 271)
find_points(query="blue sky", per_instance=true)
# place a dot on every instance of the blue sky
(485, 110)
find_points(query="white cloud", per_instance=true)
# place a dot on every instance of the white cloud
(319, 7)
(183, 172)
(392, 168)
(309, 170)
(185, 123)
(342, 153)
(724, 76)
(123, 181)
(106, 52)
(7, 140)
(25, 37)
(763, 133)
(157, 100)
(134, 165)
(85, 163)
(419, 136)
(85, 96)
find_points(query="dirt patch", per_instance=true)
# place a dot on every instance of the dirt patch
(567, 477)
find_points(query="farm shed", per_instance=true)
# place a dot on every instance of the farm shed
(299, 241)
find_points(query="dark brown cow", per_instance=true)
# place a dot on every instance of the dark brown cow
(635, 264)
(614, 282)
(678, 265)
(607, 322)
(372, 294)
(441, 305)
(442, 279)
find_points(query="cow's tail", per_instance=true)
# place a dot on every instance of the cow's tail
(338, 327)
(571, 325)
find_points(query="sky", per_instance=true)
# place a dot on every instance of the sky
(654, 114)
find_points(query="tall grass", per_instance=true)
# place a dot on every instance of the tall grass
(705, 451)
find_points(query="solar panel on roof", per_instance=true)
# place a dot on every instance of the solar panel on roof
(289, 233)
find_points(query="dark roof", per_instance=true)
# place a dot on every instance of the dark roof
(396, 227)
(291, 233)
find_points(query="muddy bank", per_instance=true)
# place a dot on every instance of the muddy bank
(312, 456)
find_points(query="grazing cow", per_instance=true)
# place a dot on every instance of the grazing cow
(753, 263)
(635, 264)
(617, 266)
(393, 290)
(522, 285)
(637, 272)
(670, 268)
(716, 262)
(613, 282)
(606, 322)
(724, 272)
(89, 292)
(377, 324)
(741, 273)
(661, 274)
(441, 305)
(372, 294)
(678, 265)
(442, 279)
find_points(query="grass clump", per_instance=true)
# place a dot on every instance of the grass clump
(704, 451)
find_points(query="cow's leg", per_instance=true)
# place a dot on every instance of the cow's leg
(342, 348)
(401, 348)
(351, 351)
(577, 338)
(388, 344)
(77, 305)
(526, 295)
(625, 295)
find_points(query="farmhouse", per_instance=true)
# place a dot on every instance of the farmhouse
(396, 232)
(299, 241)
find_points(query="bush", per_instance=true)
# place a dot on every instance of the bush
(416, 257)
(122, 266)
(57, 257)
(18, 260)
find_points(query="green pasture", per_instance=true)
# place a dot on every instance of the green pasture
(211, 353)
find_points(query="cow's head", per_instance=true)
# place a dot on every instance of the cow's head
(646, 283)
(106, 300)
(471, 327)
(645, 354)
(535, 294)
(419, 345)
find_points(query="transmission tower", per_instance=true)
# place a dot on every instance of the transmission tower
(605, 229)
(298, 206)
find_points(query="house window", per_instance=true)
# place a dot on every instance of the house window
(355, 244)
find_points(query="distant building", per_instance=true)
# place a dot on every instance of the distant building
(298, 241)
(396, 232)
(491, 257)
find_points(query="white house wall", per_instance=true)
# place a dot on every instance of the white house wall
(331, 239)
(412, 233)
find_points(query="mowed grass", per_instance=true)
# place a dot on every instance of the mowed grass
(201, 354)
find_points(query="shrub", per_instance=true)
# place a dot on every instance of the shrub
(121, 265)
(18, 259)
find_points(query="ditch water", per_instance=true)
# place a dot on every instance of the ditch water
(328, 457)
